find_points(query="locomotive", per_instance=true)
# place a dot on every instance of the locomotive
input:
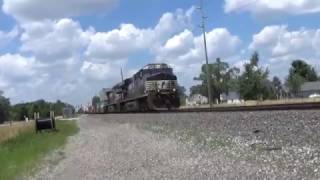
(152, 88)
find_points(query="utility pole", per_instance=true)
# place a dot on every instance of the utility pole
(121, 75)
(122, 95)
(203, 27)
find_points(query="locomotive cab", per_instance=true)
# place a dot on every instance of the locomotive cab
(161, 86)
(161, 83)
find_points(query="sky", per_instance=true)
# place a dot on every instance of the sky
(69, 50)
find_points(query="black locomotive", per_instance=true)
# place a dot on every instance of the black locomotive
(154, 87)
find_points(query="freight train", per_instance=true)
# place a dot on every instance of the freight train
(152, 88)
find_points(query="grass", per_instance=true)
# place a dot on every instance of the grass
(10, 131)
(23, 153)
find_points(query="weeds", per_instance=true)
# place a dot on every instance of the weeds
(24, 152)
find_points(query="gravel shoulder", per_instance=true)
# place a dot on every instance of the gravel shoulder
(128, 147)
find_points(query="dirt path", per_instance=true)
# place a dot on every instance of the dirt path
(105, 150)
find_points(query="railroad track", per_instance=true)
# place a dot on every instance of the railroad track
(270, 107)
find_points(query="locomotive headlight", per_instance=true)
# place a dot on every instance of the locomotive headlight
(158, 90)
(174, 89)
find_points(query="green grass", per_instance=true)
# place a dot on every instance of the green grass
(24, 152)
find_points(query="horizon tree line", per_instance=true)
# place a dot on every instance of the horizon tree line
(254, 82)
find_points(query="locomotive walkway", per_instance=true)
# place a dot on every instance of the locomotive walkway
(110, 150)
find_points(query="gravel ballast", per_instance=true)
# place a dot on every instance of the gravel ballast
(237, 145)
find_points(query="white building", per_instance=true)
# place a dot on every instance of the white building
(196, 100)
(232, 97)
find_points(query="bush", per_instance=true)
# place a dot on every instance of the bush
(4, 108)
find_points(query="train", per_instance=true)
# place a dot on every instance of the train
(152, 88)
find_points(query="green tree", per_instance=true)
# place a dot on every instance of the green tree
(299, 73)
(197, 89)
(304, 70)
(18, 111)
(277, 84)
(182, 94)
(254, 83)
(58, 107)
(23, 113)
(4, 108)
(223, 79)
(294, 83)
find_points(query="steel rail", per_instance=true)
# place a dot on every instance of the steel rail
(269, 107)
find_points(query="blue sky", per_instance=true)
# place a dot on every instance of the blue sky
(69, 50)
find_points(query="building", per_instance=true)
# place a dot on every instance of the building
(233, 97)
(196, 100)
(309, 88)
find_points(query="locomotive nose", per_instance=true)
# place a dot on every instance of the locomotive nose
(161, 83)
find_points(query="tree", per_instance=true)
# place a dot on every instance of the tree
(58, 107)
(4, 108)
(304, 70)
(18, 111)
(254, 83)
(197, 89)
(182, 94)
(23, 113)
(299, 73)
(221, 77)
(277, 84)
(294, 83)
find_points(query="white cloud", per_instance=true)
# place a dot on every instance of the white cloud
(172, 23)
(185, 52)
(7, 37)
(54, 40)
(178, 45)
(35, 10)
(121, 43)
(280, 46)
(118, 43)
(259, 7)
(14, 67)
(101, 71)
(221, 43)
(279, 42)
(186, 48)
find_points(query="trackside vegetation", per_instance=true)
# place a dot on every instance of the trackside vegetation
(254, 81)
(10, 131)
(23, 153)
